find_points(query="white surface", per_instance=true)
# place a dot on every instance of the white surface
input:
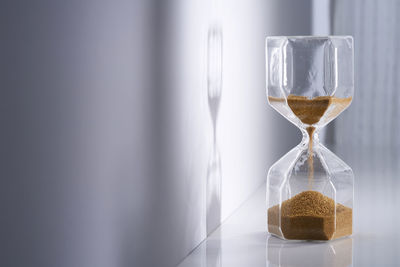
(242, 239)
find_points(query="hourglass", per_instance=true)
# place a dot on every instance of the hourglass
(310, 190)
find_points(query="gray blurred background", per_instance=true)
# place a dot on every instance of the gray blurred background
(132, 128)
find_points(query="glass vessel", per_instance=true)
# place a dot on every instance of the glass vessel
(310, 190)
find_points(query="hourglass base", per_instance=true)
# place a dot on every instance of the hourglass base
(310, 195)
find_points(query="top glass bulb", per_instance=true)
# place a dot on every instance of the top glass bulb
(310, 79)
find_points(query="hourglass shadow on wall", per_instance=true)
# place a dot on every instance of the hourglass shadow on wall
(214, 87)
(338, 253)
(213, 251)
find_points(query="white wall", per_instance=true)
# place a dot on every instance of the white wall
(250, 136)
(373, 117)
(108, 136)
(74, 84)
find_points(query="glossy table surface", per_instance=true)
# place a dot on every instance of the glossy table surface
(242, 240)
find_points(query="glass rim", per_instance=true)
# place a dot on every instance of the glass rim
(272, 37)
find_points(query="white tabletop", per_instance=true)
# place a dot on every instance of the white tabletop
(242, 240)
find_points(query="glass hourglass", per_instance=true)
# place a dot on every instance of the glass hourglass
(310, 190)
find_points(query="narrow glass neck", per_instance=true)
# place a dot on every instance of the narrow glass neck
(310, 134)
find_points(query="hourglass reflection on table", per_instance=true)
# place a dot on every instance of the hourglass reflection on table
(310, 190)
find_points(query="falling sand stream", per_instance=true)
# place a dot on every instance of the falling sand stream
(310, 112)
